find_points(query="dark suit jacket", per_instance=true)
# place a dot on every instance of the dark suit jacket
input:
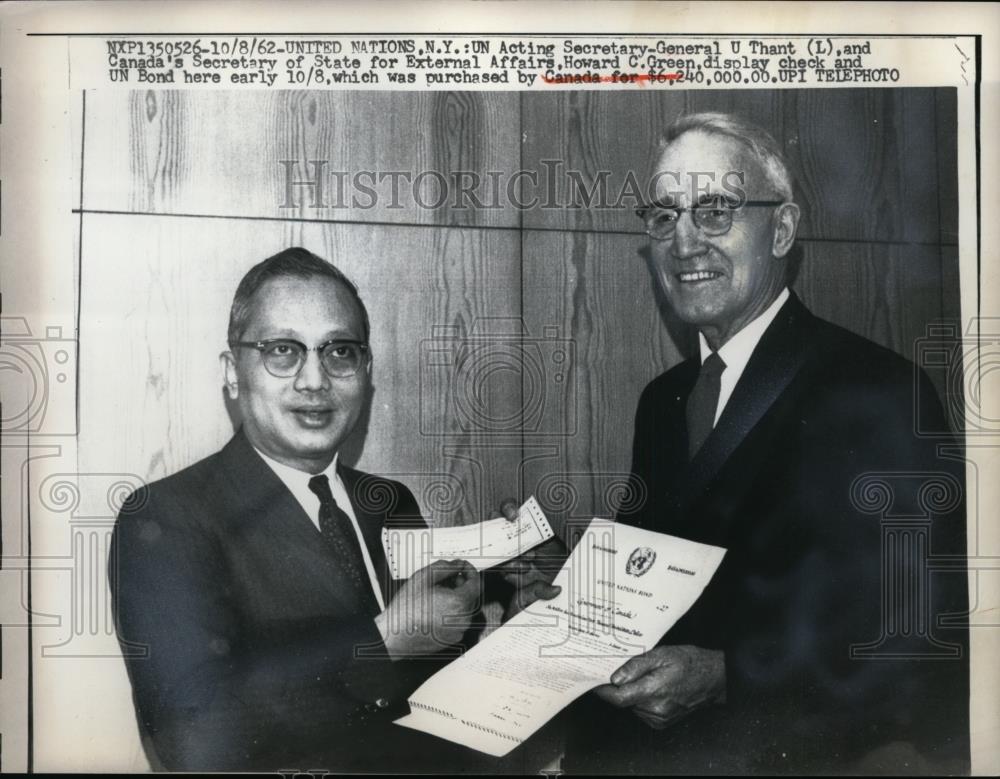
(815, 564)
(257, 658)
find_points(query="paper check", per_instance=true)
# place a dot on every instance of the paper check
(484, 545)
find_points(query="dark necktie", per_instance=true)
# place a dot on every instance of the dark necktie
(702, 402)
(338, 532)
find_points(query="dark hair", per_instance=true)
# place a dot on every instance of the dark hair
(294, 262)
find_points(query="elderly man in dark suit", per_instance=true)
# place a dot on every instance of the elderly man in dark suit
(255, 579)
(822, 644)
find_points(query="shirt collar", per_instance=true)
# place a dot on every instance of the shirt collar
(735, 353)
(291, 476)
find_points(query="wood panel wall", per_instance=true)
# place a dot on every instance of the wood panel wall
(183, 191)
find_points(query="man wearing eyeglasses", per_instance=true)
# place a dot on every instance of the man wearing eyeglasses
(261, 628)
(817, 646)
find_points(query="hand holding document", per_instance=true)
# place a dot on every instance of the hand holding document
(484, 545)
(623, 588)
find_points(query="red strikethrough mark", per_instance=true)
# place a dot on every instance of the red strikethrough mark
(587, 78)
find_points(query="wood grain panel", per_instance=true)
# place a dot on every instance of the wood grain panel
(440, 410)
(888, 294)
(156, 298)
(951, 291)
(865, 159)
(595, 290)
(955, 335)
(606, 140)
(946, 143)
(453, 295)
(153, 322)
(382, 156)
(574, 139)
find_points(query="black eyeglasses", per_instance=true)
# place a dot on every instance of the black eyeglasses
(712, 217)
(284, 357)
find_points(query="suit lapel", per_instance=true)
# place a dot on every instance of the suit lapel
(258, 495)
(261, 505)
(776, 360)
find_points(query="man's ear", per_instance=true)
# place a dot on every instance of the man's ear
(229, 375)
(786, 223)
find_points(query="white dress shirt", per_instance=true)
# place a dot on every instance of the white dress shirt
(736, 352)
(298, 484)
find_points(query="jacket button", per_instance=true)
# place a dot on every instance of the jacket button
(382, 703)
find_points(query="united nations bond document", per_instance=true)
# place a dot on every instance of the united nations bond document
(623, 588)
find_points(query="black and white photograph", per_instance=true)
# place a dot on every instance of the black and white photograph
(498, 399)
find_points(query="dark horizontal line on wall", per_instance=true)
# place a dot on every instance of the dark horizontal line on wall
(352, 222)
(452, 226)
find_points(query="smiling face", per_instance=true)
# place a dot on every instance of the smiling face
(720, 283)
(299, 421)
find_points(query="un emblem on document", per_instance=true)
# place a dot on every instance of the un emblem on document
(640, 561)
